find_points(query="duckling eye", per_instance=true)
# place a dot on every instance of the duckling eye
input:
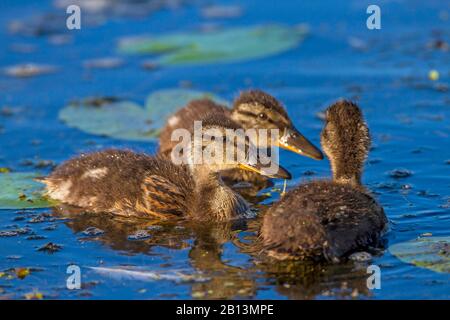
(219, 138)
(262, 116)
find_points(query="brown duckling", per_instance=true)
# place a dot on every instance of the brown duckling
(253, 109)
(327, 220)
(134, 184)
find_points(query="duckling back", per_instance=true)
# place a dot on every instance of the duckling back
(322, 220)
(123, 182)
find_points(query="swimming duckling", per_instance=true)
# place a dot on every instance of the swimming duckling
(253, 109)
(134, 184)
(327, 220)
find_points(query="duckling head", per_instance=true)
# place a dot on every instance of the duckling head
(224, 146)
(259, 110)
(346, 141)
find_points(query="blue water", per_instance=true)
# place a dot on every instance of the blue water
(407, 113)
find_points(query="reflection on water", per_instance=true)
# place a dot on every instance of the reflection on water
(131, 236)
(294, 280)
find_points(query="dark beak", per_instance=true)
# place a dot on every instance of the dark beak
(282, 173)
(294, 141)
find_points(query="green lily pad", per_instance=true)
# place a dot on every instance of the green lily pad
(126, 120)
(228, 45)
(18, 190)
(432, 253)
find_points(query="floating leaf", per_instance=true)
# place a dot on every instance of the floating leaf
(103, 63)
(34, 296)
(229, 45)
(22, 273)
(28, 70)
(15, 232)
(431, 253)
(124, 120)
(400, 173)
(18, 190)
(50, 248)
(161, 104)
(127, 120)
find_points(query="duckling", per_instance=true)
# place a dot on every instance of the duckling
(135, 184)
(253, 109)
(327, 220)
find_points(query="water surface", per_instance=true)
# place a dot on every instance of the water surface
(385, 71)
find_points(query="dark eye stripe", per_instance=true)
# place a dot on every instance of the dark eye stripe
(268, 119)
(247, 113)
(271, 121)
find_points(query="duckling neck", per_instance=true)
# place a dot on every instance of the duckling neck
(215, 200)
(346, 173)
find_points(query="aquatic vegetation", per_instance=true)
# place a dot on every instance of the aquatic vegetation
(50, 248)
(218, 46)
(400, 173)
(433, 75)
(15, 232)
(29, 70)
(103, 63)
(19, 190)
(35, 295)
(22, 273)
(432, 253)
(127, 120)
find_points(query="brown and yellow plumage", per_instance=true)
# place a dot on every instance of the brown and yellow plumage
(123, 182)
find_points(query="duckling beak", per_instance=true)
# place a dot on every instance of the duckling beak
(294, 141)
(282, 173)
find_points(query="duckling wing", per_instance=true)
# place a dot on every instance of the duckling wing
(356, 225)
(162, 198)
(288, 232)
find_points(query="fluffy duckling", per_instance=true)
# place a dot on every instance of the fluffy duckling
(253, 109)
(134, 184)
(327, 220)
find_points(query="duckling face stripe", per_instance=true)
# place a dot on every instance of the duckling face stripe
(255, 115)
(224, 148)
